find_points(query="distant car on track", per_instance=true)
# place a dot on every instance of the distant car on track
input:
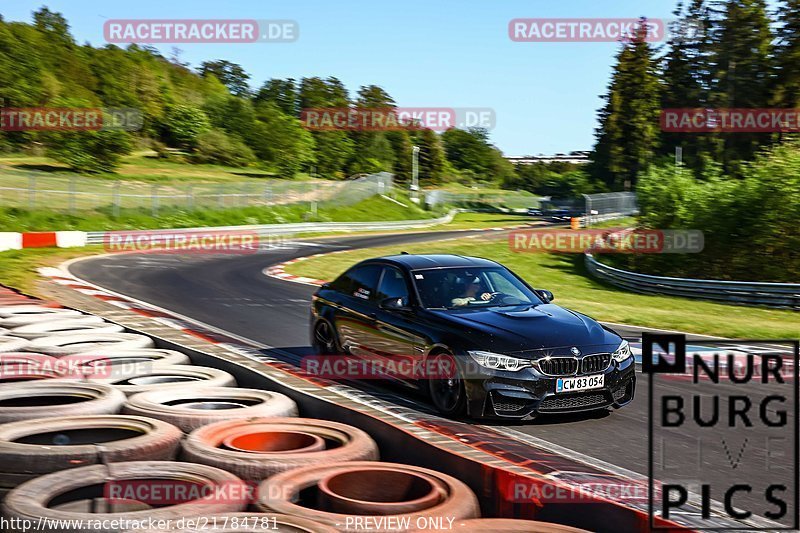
(494, 346)
(535, 212)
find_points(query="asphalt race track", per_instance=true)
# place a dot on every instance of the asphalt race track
(232, 294)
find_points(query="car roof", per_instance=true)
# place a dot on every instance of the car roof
(422, 261)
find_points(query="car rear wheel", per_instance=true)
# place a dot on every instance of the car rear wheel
(447, 388)
(324, 341)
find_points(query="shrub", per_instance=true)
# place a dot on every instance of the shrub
(216, 147)
(90, 151)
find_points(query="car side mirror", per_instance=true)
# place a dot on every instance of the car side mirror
(545, 295)
(326, 285)
(394, 304)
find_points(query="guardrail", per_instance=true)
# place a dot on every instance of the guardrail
(783, 295)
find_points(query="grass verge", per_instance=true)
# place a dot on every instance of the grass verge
(371, 209)
(566, 277)
(18, 268)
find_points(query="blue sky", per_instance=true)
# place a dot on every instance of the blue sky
(433, 53)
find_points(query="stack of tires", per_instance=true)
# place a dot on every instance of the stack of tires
(98, 424)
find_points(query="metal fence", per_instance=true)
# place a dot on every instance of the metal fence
(268, 231)
(76, 194)
(785, 295)
(508, 200)
(609, 205)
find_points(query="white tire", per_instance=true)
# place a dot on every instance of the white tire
(23, 319)
(57, 398)
(13, 344)
(66, 327)
(167, 377)
(8, 311)
(120, 363)
(155, 356)
(26, 366)
(59, 345)
(190, 408)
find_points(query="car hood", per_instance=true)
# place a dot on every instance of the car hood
(528, 327)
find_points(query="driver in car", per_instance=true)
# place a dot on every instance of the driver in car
(473, 292)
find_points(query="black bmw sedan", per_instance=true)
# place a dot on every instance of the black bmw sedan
(484, 342)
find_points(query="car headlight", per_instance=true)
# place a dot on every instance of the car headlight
(497, 361)
(623, 352)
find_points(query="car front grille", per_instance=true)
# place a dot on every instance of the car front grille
(558, 366)
(595, 363)
(568, 366)
(565, 403)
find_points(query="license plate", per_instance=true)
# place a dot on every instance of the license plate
(580, 383)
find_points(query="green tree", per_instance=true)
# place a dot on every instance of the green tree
(401, 146)
(334, 149)
(787, 55)
(431, 157)
(281, 140)
(687, 78)
(628, 134)
(372, 150)
(214, 146)
(233, 76)
(470, 150)
(744, 73)
(184, 124)
(89, 151)
(282, 93)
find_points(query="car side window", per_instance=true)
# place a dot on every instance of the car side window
(363, 282)
(393, 285)
(343, 283)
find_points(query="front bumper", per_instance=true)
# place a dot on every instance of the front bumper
(525, 394)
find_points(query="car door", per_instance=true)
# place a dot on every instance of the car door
(355, 317)
(397, 340)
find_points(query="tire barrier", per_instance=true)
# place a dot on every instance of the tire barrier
(118, 363)
(255, 449)
(507, 525)
(368, 490)
(24, 319)
(13, 344)
(156, 356)
(243, 522)
(57, 398)
(31, 448)
(32, 309)
(33, 360)
(72, 495)
(59, 345)
(88, 325)
(190, 408)
(27, 366)
(169, 376)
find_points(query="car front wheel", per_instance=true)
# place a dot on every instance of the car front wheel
(446, 387)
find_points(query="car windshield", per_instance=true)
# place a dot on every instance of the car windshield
(456, 288)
